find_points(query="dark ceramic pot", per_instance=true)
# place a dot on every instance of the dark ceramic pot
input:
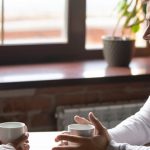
(118, 51)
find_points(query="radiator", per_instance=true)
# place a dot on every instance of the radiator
(110, 115)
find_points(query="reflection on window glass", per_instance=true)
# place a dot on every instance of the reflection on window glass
(101, 20)
(34, 21)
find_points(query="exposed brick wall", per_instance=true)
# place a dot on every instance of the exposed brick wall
(36, 106)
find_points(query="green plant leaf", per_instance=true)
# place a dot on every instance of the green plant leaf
(122, 6)
(135, 28)
(129, 14)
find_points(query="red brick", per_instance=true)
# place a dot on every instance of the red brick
(24, 104)
(77, 98)
(21, 117)
(41, 119)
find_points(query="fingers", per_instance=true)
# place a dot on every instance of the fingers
(26, 146)
(92, 120)
(98, 125)
(20, 140)
(65, 132)
(23, 146)
(100, 129)
(65, 148)
(63, 143)
(81, 120)
(71, 138)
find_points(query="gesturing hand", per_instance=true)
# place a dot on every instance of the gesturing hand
(98, 142)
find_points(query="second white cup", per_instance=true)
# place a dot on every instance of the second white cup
(86, 130)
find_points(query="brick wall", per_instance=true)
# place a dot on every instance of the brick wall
(36, 106)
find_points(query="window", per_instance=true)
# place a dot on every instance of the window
(101, 20)
(34, 21)
(35, 31)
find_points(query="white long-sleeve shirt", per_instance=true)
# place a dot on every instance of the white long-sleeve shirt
(7, 147)
(135, 131)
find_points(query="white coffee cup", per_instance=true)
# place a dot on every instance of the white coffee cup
(86, 130)
(9, 131)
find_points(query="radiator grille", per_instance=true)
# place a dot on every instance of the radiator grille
(110, 115)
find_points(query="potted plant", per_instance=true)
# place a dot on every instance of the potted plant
(118, 50)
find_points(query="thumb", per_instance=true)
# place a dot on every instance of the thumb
(101, 130)
(20, 140)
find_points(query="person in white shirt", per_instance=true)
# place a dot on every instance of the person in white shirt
(21, 143)
(131, 134)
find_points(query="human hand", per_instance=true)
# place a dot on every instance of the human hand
(82, 120)
(98, 142)
(21, 143)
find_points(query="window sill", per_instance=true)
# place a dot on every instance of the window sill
(72, 73)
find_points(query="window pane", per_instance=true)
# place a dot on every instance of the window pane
(34, 21)
(101, 20)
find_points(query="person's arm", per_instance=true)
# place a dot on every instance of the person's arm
(134, 130)
(125, 146)
(7, 147)
(100, 141)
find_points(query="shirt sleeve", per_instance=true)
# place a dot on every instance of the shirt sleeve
(7, 147)
(135, 130)
(124, 146)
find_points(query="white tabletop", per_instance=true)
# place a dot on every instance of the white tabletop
(42, 140)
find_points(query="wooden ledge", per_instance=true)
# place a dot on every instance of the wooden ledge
(70, 73)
